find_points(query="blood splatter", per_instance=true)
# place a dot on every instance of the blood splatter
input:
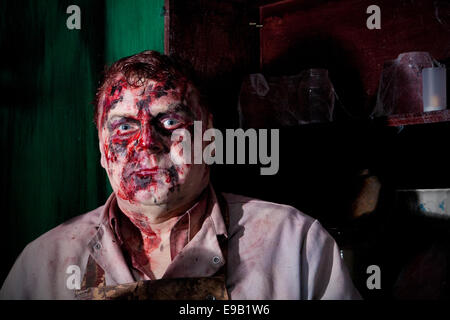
(150, 137)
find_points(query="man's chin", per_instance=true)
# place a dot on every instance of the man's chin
(149, 197)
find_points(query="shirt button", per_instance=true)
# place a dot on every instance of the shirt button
(210, 297)
(216, 260)
(97, 246)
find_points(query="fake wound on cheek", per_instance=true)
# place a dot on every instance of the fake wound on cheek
(120, 146)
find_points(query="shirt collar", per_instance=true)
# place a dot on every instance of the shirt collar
(197, 214)
(203, 251)
(217, 213)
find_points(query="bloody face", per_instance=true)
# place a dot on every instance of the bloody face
(143, 164)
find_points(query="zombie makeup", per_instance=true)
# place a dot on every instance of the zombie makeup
(136, 125)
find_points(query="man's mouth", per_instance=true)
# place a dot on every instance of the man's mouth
(144, 177)
(148, 172)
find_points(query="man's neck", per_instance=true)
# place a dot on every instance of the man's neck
(148, 238)
(150, 219)
(149, 228)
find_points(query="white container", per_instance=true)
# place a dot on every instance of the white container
(428, 202)
(434, 89)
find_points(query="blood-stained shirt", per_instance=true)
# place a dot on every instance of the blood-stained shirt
(185, 228)
(274, 252)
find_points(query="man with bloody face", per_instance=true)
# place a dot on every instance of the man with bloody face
(142, 102)
(164, 232)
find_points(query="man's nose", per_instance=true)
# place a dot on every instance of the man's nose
(148, 140)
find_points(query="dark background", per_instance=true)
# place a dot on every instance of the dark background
(50, 163)
(320, 164)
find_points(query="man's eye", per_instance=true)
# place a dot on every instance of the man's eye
(124, 127)
(171, 123)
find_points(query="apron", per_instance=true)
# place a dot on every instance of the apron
(93, 286)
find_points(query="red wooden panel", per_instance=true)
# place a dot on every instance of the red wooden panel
(333, 34)
(214, 36)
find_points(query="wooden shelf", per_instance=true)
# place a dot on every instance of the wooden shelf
(417, 118)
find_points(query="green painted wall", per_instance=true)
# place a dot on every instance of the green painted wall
(133, 26)
(48, 75)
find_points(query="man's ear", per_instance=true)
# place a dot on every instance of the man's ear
(99, 135)
(102, 154)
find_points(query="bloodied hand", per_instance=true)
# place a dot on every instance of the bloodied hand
(136, 123)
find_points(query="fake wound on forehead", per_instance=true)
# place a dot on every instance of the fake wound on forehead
(162, 88)
(115, 95)
(116, 88)
(143, 103)
(176, 108)
(156, 91)
(115, 101)
(112, 96)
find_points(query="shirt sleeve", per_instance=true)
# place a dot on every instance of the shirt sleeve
(14, 287)
(324, 273)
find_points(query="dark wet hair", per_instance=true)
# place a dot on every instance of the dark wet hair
(138, 68)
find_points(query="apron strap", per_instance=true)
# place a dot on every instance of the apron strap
(223, 241)
(94, 275)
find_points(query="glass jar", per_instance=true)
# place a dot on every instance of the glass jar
(316, 96)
